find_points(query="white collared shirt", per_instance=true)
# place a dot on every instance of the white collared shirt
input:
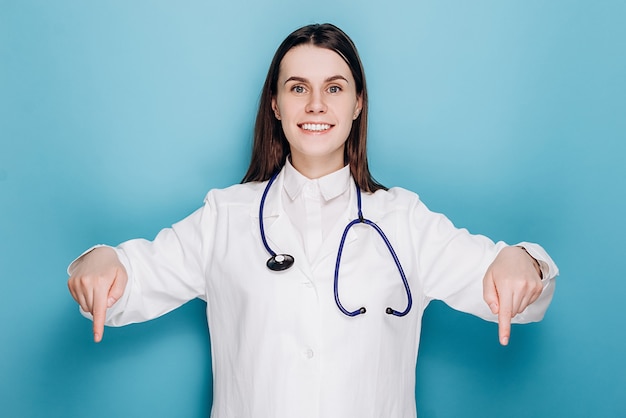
(314, 206)
(280, 346)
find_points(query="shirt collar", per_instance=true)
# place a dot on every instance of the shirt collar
(330, 186)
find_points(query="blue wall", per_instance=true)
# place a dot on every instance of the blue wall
(116, 117)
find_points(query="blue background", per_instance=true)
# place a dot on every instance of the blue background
(117, 116)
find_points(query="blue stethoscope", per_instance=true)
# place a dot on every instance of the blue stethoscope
(280, 262)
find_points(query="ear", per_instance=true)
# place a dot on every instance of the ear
(275, 108)
(358, 107)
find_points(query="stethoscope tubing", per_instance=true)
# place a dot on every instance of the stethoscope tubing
(405, 282)
(261, 206)
(279, 262)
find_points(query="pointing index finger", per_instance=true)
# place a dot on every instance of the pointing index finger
(504, 322)
(99, 312)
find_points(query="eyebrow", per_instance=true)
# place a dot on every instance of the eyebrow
(328, 80)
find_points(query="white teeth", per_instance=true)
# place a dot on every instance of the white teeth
(318, 127)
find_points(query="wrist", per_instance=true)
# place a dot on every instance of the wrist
(535, 262)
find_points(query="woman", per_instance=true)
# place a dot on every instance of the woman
(336, 332)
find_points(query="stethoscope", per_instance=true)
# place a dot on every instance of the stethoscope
(280, 262)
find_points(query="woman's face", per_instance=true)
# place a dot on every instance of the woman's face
(316, 102)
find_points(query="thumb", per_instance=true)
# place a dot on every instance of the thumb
(490, 294)
(117, 288)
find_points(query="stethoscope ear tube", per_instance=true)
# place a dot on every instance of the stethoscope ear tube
(405, 282)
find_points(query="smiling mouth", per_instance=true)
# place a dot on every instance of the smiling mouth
(315, 127)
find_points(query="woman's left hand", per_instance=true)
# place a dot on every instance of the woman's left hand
(512, 282)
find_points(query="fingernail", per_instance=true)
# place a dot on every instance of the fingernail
(96, 337)
(110, 302)
(505, 340)
(493, 307)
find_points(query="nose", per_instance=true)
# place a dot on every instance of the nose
(316, 103)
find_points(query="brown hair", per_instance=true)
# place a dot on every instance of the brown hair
(270, 147)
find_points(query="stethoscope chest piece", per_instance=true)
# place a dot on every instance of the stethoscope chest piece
(280, 262)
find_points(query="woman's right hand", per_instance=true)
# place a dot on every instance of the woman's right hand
(97, 280)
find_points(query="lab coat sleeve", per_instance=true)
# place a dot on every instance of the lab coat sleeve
(453, 262)
(164, 273)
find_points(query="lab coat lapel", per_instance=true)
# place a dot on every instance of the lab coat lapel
(330, 246)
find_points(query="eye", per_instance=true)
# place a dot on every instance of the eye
(298, 89)
(334, 89)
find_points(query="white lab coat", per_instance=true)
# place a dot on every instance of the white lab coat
(280, 346)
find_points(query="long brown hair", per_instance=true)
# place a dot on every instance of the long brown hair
(270, 147)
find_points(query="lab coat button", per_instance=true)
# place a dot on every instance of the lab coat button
(309, 354)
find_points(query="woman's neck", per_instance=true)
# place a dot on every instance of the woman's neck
(313, 168)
